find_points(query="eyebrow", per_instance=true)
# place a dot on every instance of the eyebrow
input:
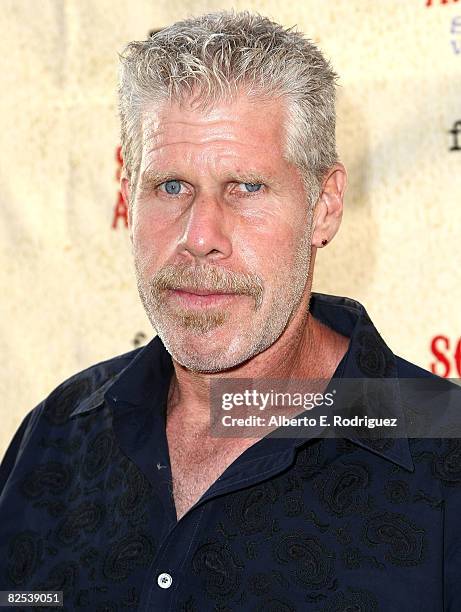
(150, 178)
(250, 177)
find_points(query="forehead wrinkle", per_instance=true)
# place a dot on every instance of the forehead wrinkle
(188, 123)
(224, 162)
(202, 139)
(189, 143)
(209, 131)
(196, 153)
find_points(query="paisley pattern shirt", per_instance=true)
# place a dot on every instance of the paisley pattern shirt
(293, 524)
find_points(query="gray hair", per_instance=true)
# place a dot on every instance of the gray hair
(213, 57)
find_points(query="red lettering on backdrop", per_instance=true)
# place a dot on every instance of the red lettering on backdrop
(441, 348)
(120, 212)
(431, 2)
(458, 357)
(119, 159)
(436, 348)
(120, 209)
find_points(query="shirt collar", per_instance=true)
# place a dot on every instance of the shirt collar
(148, 375)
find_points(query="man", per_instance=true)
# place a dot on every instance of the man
(115, 489)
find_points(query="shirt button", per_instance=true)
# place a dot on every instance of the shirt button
(164, 581)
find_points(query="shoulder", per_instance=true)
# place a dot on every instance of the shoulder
(425, 385)
(52, 414)
(84, 386)
(432, 410)
(55, 409)
(407, 369)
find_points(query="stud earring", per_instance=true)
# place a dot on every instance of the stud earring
(324, 242)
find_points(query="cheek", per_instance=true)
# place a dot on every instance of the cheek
(267, 249)
(151, 235)
(147, 250)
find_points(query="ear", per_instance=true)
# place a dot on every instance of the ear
(328, 211)
(126, 194)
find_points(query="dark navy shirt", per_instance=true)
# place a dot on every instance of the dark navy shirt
(293, 524)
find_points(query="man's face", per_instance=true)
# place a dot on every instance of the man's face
(218, 210)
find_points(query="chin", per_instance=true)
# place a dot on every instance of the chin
(206, 353)
(204, 362)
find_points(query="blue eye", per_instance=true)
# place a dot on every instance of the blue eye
(251, 187)
(172, 187)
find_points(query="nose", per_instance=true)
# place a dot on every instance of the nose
(206, 236)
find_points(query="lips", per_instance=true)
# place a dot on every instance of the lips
(200, 298)
(203, 291)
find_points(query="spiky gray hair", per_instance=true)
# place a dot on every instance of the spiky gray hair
(215, 57)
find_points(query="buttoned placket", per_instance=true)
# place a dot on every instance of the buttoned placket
(162, 586)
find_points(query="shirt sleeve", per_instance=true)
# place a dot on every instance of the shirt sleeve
(11, 454)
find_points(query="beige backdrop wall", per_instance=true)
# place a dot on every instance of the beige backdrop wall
(69, 296)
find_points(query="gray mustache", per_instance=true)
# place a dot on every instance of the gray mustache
(208, 279)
